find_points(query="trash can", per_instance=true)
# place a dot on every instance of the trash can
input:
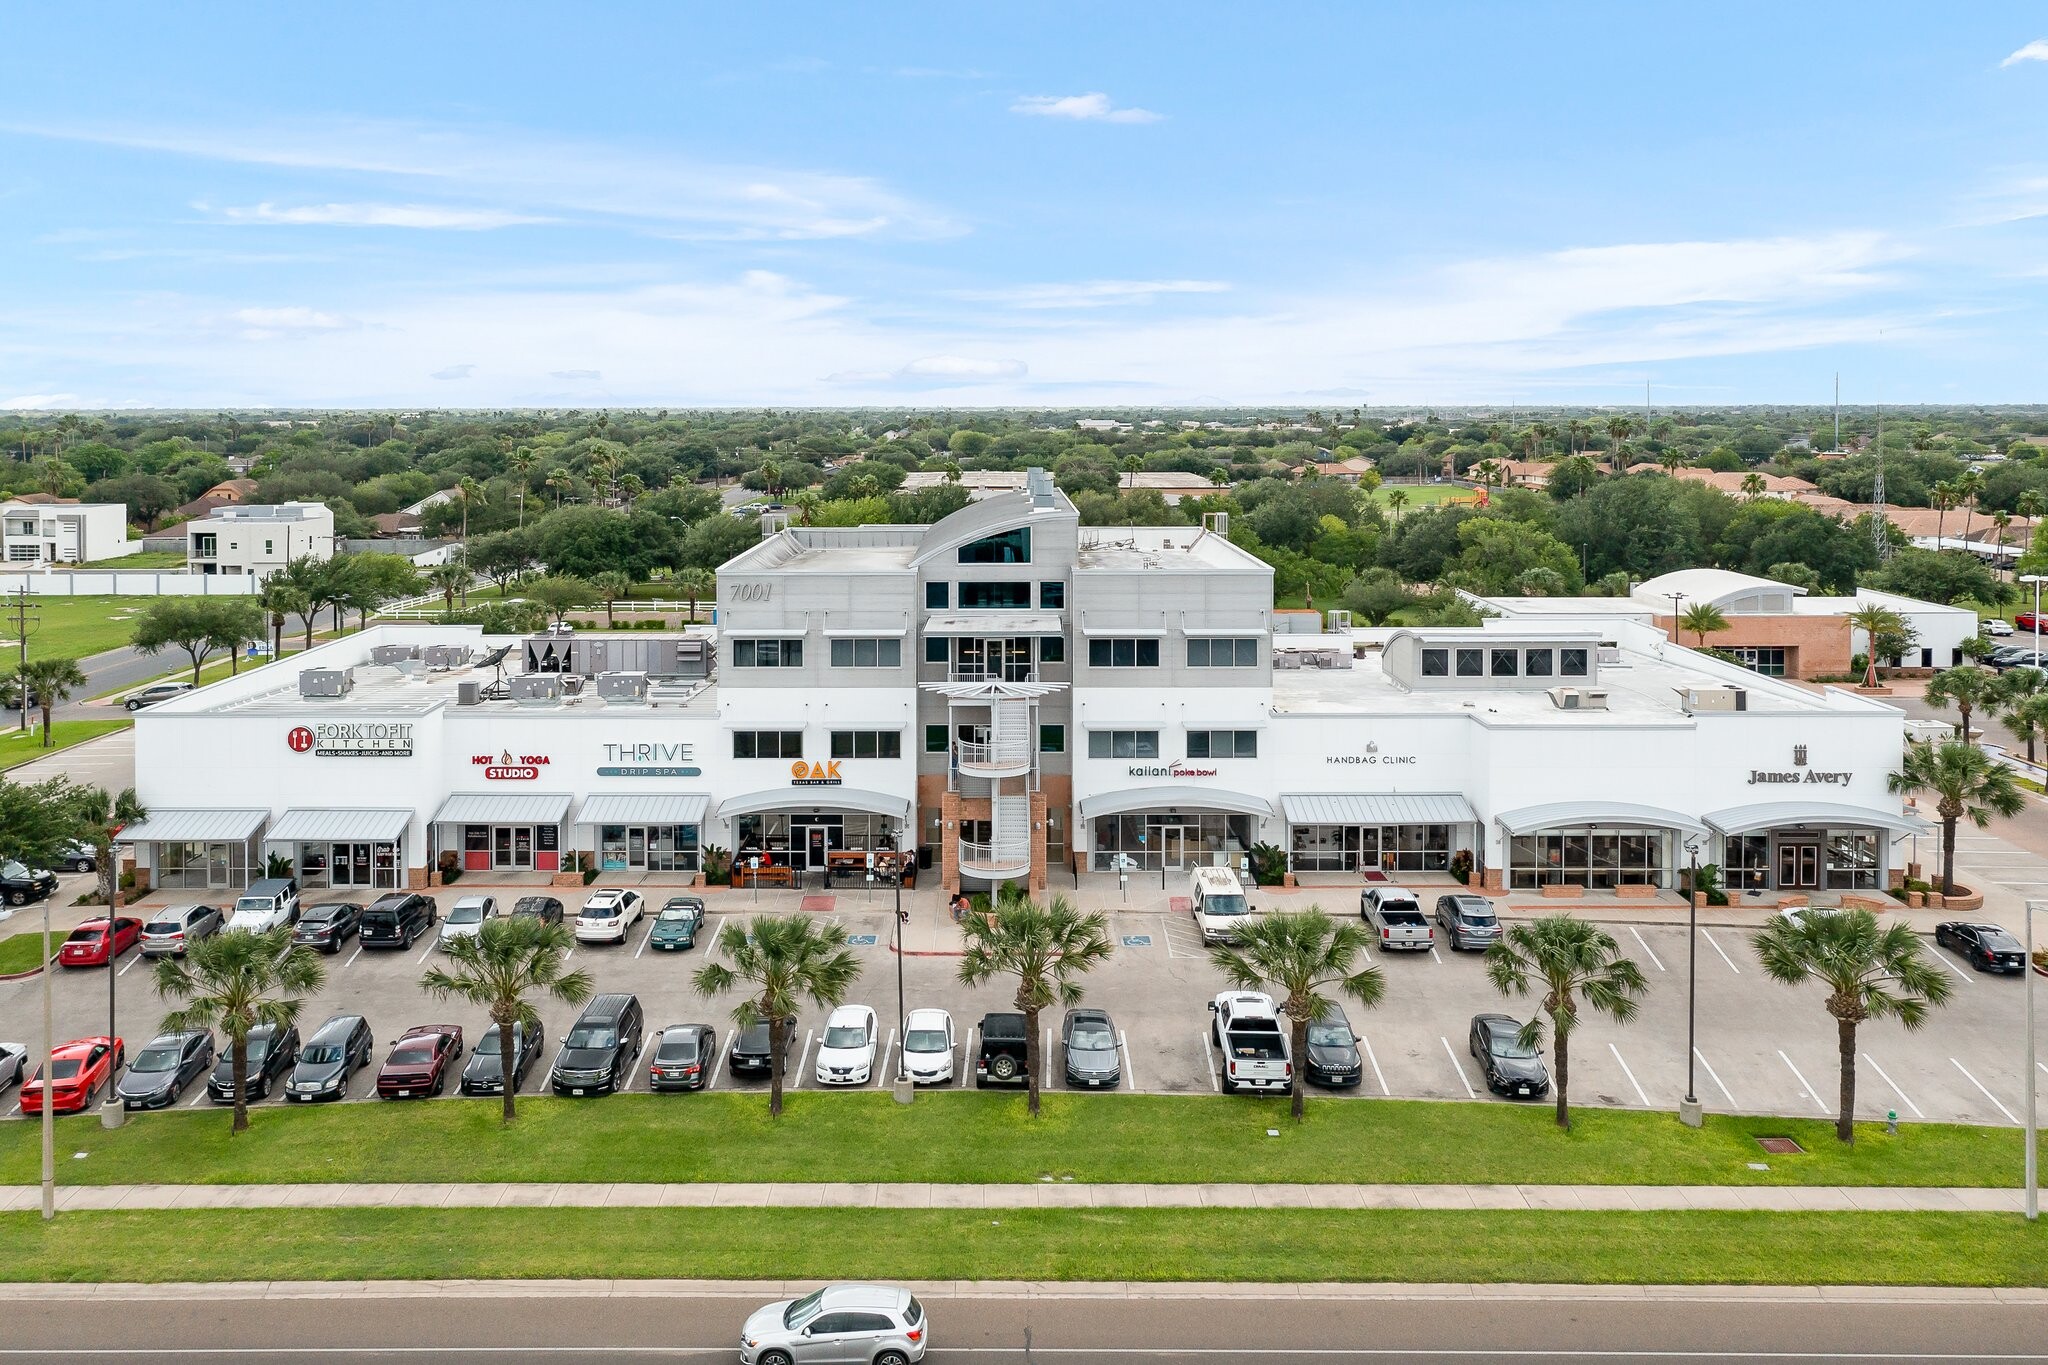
(924, 857)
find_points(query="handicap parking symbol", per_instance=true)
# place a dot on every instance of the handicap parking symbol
(1137, 940)
(862, 940)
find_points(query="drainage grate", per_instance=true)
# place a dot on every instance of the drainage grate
(1779, 1146)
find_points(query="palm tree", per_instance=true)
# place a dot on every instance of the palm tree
(694, 585)
(951, 469)
(1869, 972)
(521, 462)
(1966, 687)
(1302, 955)
(611, 585)
(807, 502)
(281, 597)
(1963, 780)
(1703, 619)
(52, 681)
(1572, 962)
(1753, 485)
(771, 478)
(560, 480)
(233, 982)
(1046, 947)
(785, 960)
(2030, 715)
(102, 817)
(1619, 428)
(1396, 500)
(2000, 520)
(2013, 695)
(2030, 505)
(498, 967)
(1875, 622)
(1941, 497)
(1968, 487)
(449, 577)
(470, 490)
(1488, 471)
(1131, 465)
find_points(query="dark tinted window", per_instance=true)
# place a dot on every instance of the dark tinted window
(1052, 596)
(677, 1050)
(867, 1322)
(1436, 663)
(1005, 547)
(983, 596)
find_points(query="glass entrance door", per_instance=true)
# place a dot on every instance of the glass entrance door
(512, 846)
(217, 865)
(1798, 867)
(349, 865)
(808, 844)
(1173, 846)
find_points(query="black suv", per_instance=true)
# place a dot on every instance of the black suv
(1001, 1058)
(271, 1054)
(326, 926)
(394, 921)
(339, 1050)
(598, 1055)
(546, 909)
(750, 1050)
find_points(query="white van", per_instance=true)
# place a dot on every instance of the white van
(1218, 903)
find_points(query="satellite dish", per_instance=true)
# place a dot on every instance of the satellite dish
(496, 658)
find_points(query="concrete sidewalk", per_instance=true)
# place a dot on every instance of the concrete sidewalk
(1820, 1198)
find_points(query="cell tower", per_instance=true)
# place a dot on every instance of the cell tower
(1880, 526)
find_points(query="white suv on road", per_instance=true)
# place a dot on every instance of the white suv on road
(846, 1055)
(608, 915)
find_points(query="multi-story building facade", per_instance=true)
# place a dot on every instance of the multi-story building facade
(258, 540)
(49, 531)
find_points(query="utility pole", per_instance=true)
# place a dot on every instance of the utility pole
(1880, 527)
(1838, 409)
(20, 609)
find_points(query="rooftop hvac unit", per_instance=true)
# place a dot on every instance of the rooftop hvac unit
(536, 689)
(1714, 699)
(326, 682)
(442, 657)
(468, 693)
(1287, 658)
(622, 686)
(1339, 621)
(391, 654)
(1217, 523)
(1579, 698)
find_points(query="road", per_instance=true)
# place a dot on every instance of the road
(416, 1325)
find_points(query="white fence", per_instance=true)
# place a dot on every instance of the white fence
(127, 583)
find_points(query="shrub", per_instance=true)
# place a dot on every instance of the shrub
(451, 867)
(717, 866)
(1269, 864)
(1461, 864)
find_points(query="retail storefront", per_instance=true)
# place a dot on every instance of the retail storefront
(645, 831)
(343, 848)
(803, 830)
(198, 850)
(1384, 832)
(1598, 845)
(1170, 828)
(503, 831)
(1807, 846)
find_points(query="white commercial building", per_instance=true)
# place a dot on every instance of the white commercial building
(62, 532)
(258, 540)
(1024, 698)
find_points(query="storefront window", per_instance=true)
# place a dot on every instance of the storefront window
(1599, 857)
(1170, 839)
(1852, 860)
(1748, 862)
(198, 866)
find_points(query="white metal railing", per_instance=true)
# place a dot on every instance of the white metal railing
(1016, 673)
(1013, 754)
(996, 855)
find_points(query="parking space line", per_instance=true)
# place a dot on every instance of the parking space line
(1715, 1077)
(1463, 1080)
(358, 953)
(434, 943)
(1655, 961)
(640, 1063)
(887, 1052)
(1811, 1093)
(2009, 1115)
(797, 1080)
(1904, 1098)
(1715, 944)
(972, 1049)
(645, 939)
(1209, 1060)
(1942, 962)
(719, 1065)
(1130, 1072)
(1432, 952)
(1378, 1075)
(197, 1098)
(1630, 1074)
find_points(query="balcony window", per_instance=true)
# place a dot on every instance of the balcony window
(1005, 547)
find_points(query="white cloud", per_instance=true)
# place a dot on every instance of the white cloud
(31, 401)
(376, 215)
(1090, 293)
(961, 369)
(575, 374)
(1092, 107)
(524, 175)
(2036, 51)
(453, 372)
(268, 324)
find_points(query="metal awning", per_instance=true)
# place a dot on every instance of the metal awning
(823, 798)
(1173, 798)
(644, 808)
(1377, 808)
(1821, 814)
(305, 826)
(503, 808)
(993, 623)
(193, 827)
(1558, 814)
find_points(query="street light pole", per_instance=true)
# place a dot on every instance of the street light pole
(2033, 1201)
(1689, 1110)
(2037, 580)
(49, 1071)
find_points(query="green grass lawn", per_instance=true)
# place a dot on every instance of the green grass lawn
(142, 559)
(73, 627)
(24, 952)
(1422, 494)
(17, 748)
(981, 1137)
(1030, 1244)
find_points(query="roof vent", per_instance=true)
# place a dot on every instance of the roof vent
(1038, 483)
(1578, 698)
(536, 689)
(326, 682)
(391, 654)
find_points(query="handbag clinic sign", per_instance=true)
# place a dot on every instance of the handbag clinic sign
(352, 739)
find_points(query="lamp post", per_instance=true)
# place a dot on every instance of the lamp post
(1689, 1108)
(1677, 601)
(2037, 580)
(49, 1071)
(2033, 1200)
(904, 1088)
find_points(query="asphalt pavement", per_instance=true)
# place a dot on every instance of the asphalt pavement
(688, 1321)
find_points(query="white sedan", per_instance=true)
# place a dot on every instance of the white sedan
(928, 1046)
(846, 1056)
(608, 915)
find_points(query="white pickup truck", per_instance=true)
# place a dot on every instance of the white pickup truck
(1253, 1040)
(1396, 918)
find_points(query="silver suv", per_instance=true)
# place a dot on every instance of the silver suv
(1467, 921)
(873, 1324)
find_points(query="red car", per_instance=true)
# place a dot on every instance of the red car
(420, 1062)
(87, 946)
(83, 1067)
(2025, 621)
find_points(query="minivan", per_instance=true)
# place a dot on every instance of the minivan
(394, 921)
(337, 1051)
(598, 1055)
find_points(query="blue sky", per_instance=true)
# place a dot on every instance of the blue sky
(947, 205)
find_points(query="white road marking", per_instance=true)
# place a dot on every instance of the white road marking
(1655, 961)
(1470, 1093)
(2009, 1115)
(645, 939)
(1715, 1077)
(1130, 1072)
(640, 1063)
(1209, 1060)
(133, 959)
(434, 943)
(1958, 976)
(1904, 1098)
(197, 1098)
(1809, 1091)
(889, 1049)
(797, 1080)
(1626, 1072)
(1378, 1075)
(1432, 952)
(1715, 944)
(972, 1049)
(359, 952)
(719, 1065)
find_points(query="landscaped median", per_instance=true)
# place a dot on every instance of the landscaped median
(971, 1137)
(18, 747)
(22, 953)
(1029, 1244)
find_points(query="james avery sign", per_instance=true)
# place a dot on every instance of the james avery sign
(1758, 777)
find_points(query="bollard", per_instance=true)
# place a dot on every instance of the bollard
(113, 1114)
(1891, 1122)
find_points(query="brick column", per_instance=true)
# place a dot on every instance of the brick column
(949, 841)
(1038, 867)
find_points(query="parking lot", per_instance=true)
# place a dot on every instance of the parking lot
(1763, 1048)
